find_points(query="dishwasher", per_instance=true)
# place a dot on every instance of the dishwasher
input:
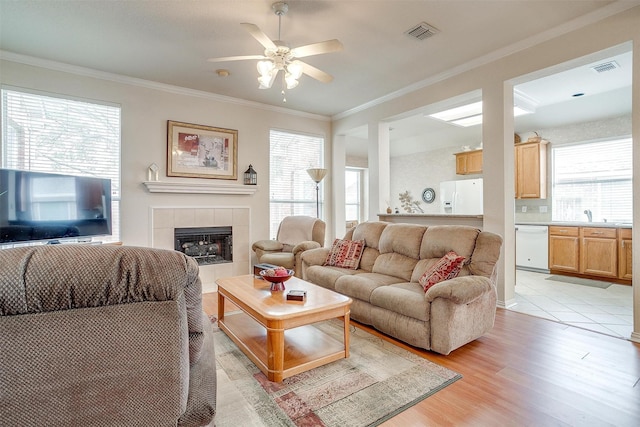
(532, 247)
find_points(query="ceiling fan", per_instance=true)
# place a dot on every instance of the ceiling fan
(279, 57)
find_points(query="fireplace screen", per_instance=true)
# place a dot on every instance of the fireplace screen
(208, 245)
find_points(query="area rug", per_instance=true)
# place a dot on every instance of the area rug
(579, 281)
(378, 380)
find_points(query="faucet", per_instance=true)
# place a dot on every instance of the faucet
(588, 213)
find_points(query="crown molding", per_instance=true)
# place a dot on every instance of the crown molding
(575, 24)
(148, 84)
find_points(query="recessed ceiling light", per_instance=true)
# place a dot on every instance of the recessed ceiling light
(222, 73)
(459, 112)
(468, 121)
(471, 114)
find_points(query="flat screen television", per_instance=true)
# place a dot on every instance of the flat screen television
(36, 206)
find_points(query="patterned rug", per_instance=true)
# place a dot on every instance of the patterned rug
(378, 380)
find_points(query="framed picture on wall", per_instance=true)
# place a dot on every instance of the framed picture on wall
(199, 151)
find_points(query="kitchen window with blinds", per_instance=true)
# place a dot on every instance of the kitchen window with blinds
(48, 133)
(593, 180)
(292, 191)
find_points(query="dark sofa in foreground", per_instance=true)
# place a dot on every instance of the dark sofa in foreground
(96, 335)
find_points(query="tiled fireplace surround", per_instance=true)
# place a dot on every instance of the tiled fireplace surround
(165, 218)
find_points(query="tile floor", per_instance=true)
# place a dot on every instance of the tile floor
(608, 311)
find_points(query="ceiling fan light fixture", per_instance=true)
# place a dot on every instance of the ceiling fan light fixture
(279, 56)
(291, 81)
(265, 68)
(265, 82)
(295, 69)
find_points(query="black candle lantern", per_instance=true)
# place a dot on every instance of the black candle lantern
(250, 176)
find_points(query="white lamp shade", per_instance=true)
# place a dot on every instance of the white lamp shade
(266, 81)
(295, 69)
(290, 80)
(265, 68)
(317, 174)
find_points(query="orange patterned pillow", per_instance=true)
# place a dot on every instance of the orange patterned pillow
(345, 253)
(446, 268)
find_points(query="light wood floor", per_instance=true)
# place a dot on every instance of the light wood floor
(529, 371)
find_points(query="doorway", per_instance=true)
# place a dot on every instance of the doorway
(588, 100)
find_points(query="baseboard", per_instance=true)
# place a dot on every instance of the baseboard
(507, 304)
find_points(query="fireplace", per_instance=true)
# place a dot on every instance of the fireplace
(208, 245)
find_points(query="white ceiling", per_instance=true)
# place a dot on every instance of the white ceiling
(168, 41)
(606, 95)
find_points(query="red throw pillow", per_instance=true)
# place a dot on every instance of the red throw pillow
(345, 253)
(446, 268)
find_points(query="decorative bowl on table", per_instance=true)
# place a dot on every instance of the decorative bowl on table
(277, 277)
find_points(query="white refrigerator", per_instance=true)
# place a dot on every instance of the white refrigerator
(463, 197)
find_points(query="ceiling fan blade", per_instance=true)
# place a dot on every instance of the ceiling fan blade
(317, 74)
(236, 58)
(259, 35)
(317, 48)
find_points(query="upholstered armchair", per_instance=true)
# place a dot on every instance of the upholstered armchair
(296, 234)
(98, 335)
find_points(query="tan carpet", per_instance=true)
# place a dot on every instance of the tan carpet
(377, 381)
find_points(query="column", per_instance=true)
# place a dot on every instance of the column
(338, 165)
(499, 185)
(379, 168)
(635, 131)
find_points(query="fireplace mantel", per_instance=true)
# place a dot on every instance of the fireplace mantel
(199, 187)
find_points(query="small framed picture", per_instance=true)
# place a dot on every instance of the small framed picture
(199, 151)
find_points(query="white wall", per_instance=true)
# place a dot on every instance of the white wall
(580, 132)
(146, 107)
(146, 110)
(495, 78)
(418, 171)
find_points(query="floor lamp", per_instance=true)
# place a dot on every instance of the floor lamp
(317, 174)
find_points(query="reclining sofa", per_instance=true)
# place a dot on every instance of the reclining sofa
(97, 335)
(385, 285)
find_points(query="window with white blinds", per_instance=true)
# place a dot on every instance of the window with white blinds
(352, 191)
(292, 191)
(47, 133)
(595, 177)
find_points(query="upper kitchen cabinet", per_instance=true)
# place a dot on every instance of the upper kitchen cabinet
(531, 170)
(469, 162)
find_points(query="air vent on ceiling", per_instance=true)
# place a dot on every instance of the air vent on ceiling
(605, 66)
(422, 31)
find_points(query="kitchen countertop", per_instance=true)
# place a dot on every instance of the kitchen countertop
(547, 223)
(423, 215)
(578, 224)
(430, 219)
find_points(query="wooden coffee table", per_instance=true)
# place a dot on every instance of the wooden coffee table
(276, 334)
